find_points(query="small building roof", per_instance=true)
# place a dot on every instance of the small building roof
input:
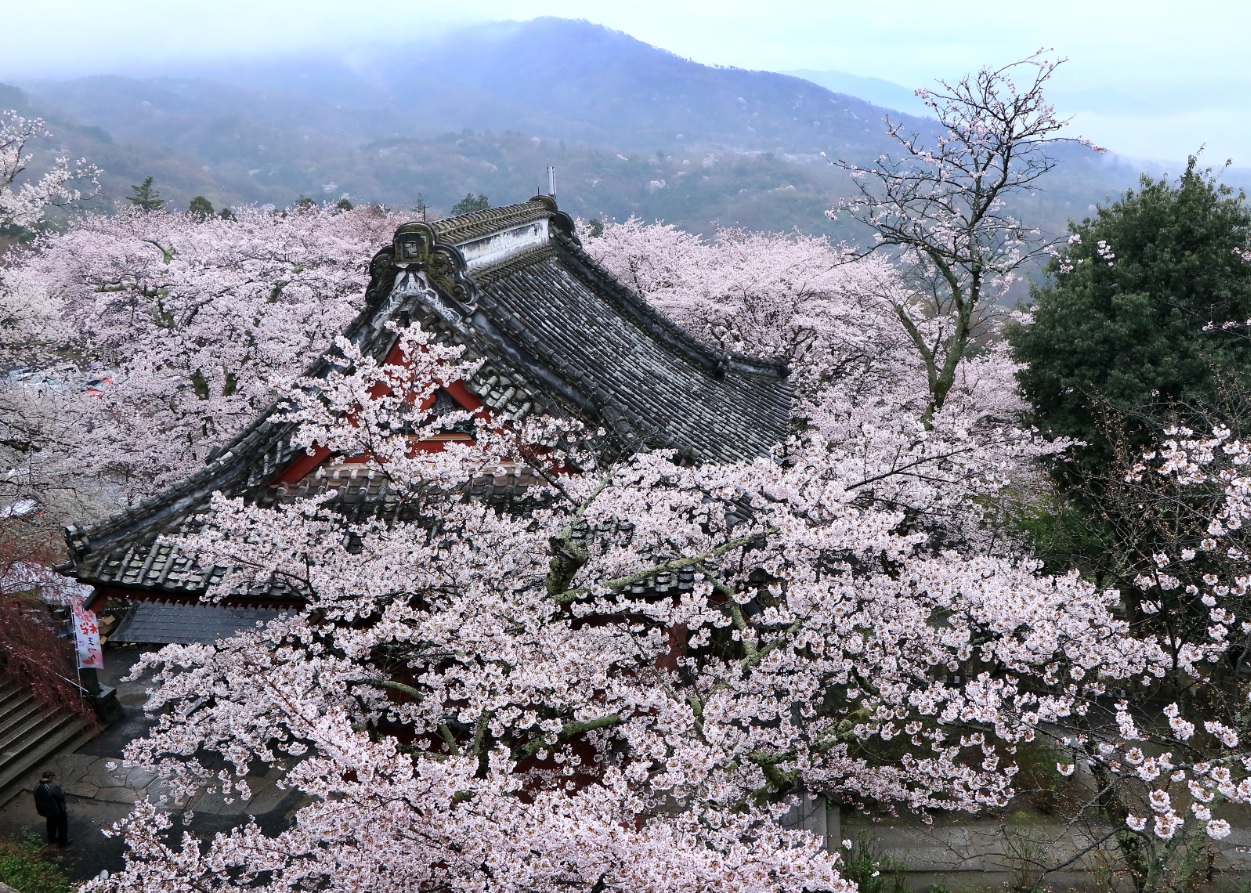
(555, 334)
(187, 623)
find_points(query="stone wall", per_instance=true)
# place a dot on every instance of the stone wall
(962, 854)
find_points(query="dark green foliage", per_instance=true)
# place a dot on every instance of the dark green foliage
(1125, 335)
(200, 385)
(16, 235)
(226, 214)
(145, 197)
(871, 870)
(24, 866)
(200, 207)
(595, 227)
(1066, 536)
(344, 205)
(304, 203)
(1039, 789)
(471, 203)
(1119, 348)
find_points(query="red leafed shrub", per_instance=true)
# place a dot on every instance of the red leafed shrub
(34, 649)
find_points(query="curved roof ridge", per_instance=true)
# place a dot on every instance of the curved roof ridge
(224, 466)
(475, 224)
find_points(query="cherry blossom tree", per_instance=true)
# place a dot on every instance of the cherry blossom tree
(792, 296)
(832, 317)
(30, 329)
(128, 347)
(619, 688)
(939, 206)
(624, 686)
(24, 198)
(30, 325)
(1165, 776)
(183, 329)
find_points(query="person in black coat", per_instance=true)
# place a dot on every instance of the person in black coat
(50, 803)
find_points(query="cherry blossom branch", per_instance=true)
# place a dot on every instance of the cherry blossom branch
(676, 564)
(569, 730)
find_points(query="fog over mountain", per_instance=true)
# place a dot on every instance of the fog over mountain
(631, 129)
(880, 92)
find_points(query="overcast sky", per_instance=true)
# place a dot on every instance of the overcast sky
(1148, 78)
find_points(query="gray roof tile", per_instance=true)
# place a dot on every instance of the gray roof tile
(161, 623)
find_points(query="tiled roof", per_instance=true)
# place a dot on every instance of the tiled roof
(558, 333)
(552, 324)
(162, 623)
(555, 334)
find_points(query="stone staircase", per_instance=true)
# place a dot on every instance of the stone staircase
(30, 732)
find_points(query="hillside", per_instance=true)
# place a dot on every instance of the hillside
(631, 129)
(561, 79)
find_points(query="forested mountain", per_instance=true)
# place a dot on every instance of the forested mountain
(631, 129)
(553, 78)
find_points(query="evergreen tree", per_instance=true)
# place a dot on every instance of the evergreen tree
(1133, 317)
(146, 197)
(200, 207)
(471, 203)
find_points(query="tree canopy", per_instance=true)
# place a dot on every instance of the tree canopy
(623, 687)
(1135, 313)
(24, 197)
(939, 202)
(500, 705)
(145, 197)
(471, 203)
(200, 207)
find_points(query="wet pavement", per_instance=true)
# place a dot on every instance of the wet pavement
(99, 790)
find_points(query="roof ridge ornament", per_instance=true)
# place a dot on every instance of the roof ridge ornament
(562, 221)
(418, 250)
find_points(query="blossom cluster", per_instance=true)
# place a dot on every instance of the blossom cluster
(475, 665)
(185, 328)
(24, 197)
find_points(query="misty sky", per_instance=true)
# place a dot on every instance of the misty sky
(1148, 78)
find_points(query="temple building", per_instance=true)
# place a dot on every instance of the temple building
(553, 332)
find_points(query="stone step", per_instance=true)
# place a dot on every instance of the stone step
(17, 774)
(19, 713)
(10, 694)
(30, 732)
(36, 723)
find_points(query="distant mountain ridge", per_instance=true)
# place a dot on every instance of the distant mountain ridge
(555, 78)
(630, 128)
(879, 92)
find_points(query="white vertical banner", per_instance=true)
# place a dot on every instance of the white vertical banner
(86, 637)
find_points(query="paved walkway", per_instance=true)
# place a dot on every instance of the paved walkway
(100, 791)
